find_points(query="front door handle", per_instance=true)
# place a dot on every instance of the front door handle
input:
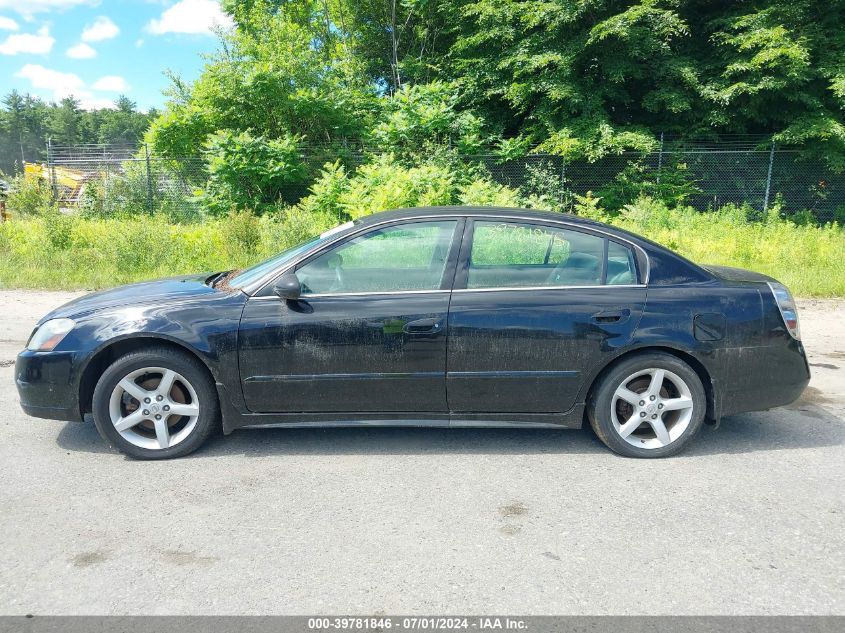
(611, 316)
(422, 326)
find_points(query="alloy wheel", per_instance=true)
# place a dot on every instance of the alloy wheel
(652, 408)
(154, 408)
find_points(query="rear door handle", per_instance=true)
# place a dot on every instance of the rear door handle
(611, 316)
(422, 326)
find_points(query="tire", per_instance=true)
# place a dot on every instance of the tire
(628, 392)
(160, 421)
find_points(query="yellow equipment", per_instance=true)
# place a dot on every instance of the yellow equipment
(69, 182)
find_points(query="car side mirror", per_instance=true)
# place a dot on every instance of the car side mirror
(288, 287)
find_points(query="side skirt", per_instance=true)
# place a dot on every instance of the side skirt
(233, 419)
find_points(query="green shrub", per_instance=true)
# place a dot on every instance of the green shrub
(29, 195)
(421, 116)
(241, 235)
(649, 214)
(59, 228)
(672, 185)
(327, 191)
(250, 172)
(292, 226)
(543, 188)
(483, 192)
(590, 207)
(385, 185)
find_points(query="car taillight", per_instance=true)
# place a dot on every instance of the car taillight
(787, 307)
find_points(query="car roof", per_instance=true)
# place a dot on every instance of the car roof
(492, 212)
(508, 212)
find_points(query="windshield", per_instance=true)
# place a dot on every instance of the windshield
(250, 275)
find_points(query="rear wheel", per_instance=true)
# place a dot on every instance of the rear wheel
(649, 405)
(155, 404)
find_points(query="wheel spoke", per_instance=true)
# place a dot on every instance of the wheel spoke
(162, 433)
(166, 383)
(133, 389)
(660, 431)
(184, 409)
(656, 382)
(128, 421)
(676, 404)
(628, 396)
(630, 426)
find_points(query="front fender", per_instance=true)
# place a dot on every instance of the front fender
(206, 329)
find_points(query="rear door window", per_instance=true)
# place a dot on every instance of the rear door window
(513, 255)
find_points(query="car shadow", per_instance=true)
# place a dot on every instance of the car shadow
(802, 425)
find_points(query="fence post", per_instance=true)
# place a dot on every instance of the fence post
(562, 179)
(149, 180)
(769, 178)
(660, 159)
(51, 168)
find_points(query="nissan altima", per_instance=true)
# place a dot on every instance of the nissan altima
(442, 317)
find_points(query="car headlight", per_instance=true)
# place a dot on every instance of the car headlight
(49, 335)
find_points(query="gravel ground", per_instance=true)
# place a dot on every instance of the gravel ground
(749, 521)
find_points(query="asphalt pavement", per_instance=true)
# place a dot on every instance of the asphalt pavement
(415, 521)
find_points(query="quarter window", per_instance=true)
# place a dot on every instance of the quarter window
(509, 254)
(396, 258)
(621, 269)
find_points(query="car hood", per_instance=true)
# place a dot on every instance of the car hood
(158, 292)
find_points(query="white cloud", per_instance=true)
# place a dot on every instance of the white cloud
(60, 85)
(111, 83)
(81, 51)
(8, 24)
(190, 16)
(30, 7)
(37, 44)
(102, 29)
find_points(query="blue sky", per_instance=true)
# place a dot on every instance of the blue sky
(98, 49)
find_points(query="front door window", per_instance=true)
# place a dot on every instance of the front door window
(396, 258)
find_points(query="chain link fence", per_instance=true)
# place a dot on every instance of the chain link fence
(109, 179)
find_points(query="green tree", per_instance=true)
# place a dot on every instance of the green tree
(580, 78)
(587, 77)
(26, 123)
(121, 125)
(418, 118)
(279, 73)
(66, 122)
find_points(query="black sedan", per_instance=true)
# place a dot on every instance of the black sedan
(445, 317)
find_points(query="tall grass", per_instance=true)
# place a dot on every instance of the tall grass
(809, 259)
(64, 252)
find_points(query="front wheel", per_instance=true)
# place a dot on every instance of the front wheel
(649, 405)
(155, 404)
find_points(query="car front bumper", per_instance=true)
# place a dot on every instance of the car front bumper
(46, 386)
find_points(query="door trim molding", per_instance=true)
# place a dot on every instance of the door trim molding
(513, 374)
(505, 288)
(330, 377)
(331, 295)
